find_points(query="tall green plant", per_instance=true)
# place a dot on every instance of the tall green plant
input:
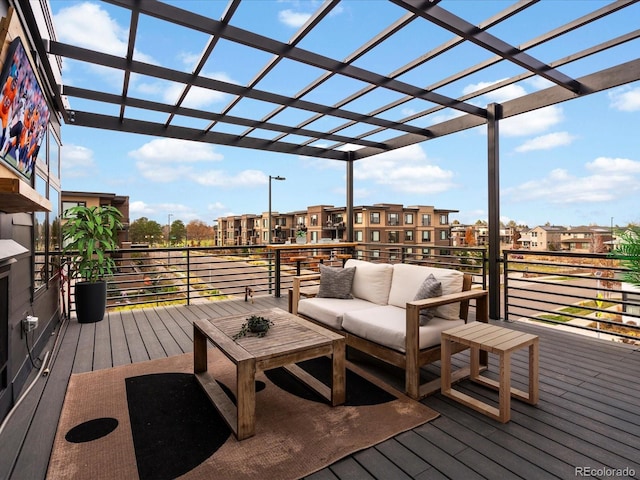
(628, 252)
(88, 234)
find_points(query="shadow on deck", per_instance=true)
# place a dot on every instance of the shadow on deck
(587, 421)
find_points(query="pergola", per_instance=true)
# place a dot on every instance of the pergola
(338, 129)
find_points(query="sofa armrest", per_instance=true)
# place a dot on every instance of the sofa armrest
(297, 287)
(413, 316)
(481, 297)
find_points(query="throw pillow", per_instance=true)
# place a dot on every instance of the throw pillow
(430, 288)
(336, 282)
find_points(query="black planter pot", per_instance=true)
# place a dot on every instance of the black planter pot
(91, 301)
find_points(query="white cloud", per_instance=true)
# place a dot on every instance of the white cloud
(405, 170)
(500, 95)
(611, 179)
(166, 160)
(88, 25)
(625, 99)
(197, 97)
(547, 142)
(219, 178)
(613, 166)
(531, 123)
(216, 206)
(176, 151)
(293, 19)
(76, 161)
(139, 209)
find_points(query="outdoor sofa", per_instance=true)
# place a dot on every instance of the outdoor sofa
(380, 316)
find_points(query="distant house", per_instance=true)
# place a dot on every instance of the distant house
(592, 239)
(542, 238)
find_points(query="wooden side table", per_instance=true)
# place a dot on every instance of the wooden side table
(493, 339)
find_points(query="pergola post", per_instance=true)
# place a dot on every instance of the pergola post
(349, 221)
(494, 111)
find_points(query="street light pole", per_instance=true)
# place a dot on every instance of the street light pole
(169, 229)
(271, 178)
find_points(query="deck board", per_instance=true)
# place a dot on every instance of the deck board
(588, 414)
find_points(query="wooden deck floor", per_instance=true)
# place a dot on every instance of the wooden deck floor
(588, 416)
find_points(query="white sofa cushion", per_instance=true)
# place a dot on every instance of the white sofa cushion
(330, 310)
(408, 278)
(386, 326)
(372, 281)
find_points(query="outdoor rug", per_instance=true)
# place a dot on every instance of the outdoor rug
(151, 420)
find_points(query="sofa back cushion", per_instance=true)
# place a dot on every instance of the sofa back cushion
(371, 281)
(408, 278)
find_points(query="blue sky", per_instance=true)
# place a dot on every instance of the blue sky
(574, 163)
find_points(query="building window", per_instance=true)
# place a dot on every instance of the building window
(393, 219)
(444, 235)
(393, 237)
(426, 251)
(408, 235)
(426, 219)
(375, 235)
(314, 220)
(374, 217)
(408, 218)
(67, 205)
(359, 236)
(444, 219)
(359, 218)
(375, 253)
(426, 236)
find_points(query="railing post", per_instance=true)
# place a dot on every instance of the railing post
(505, 280)
(277, 273)
(188, 277)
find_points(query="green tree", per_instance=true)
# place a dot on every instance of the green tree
(143, 230)
(178, 232)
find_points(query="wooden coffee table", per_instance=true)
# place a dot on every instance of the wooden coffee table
(290, 340)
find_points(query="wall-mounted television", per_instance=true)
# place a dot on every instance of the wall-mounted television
(23, 110)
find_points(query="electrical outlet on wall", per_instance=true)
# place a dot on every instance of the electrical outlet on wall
(30, 323)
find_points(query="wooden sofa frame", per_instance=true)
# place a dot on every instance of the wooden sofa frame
(413, 358)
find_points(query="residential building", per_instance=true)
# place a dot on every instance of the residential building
(95, 199)
(381, 223)
(541, 238)
(591, 239)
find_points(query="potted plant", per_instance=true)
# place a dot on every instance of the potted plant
(301, 233)
(88, 234)
(254, 324)
(627, 251)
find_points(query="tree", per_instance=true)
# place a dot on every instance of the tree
(469, 237)
(178, 232)
(197, 231)
(143, 230)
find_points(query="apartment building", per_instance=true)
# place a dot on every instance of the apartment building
(381, 223)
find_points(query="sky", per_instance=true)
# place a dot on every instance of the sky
(574, 163)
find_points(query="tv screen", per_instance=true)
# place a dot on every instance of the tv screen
(23, 110)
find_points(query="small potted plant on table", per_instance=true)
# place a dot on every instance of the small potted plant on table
(254, 324)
